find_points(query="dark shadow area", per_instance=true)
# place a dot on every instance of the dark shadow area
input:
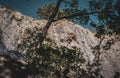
(2, 45)
(117, 75)
(11, 68)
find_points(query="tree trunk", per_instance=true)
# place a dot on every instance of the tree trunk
(51, 18)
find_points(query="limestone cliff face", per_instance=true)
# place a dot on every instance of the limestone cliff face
(86, 40)
(13, 24)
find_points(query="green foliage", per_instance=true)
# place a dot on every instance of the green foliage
(83, 19)
(74, 4)
(72, 7)
(30, 38)
(100, 31)
(96, 5)
(107, 13)
(46, 11)
(50, 60)
(108, 18)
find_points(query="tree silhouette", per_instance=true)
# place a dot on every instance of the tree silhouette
(107, 13)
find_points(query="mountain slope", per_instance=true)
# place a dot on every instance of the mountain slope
(13, 24)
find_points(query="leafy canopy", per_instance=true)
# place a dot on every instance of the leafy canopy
(50, 60)
(107, 13)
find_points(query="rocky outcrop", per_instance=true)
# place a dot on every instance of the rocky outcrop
(13, 24)
(110, 58)
(85, 39)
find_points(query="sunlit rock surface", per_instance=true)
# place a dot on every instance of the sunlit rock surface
(13, 24)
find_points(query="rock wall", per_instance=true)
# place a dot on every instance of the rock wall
(13, 24)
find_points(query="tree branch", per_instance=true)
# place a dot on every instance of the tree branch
(81, 14)
(51, 18)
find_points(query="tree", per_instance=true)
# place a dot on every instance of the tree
(53, 57)
(50, 20)
(50, 60)
(106, 11)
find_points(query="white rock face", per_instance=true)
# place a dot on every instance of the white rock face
(13, 24)
(59, 31)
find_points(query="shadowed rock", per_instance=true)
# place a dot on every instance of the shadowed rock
(13, 24)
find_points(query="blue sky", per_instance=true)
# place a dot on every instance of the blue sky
(27, 7)
(30, 7)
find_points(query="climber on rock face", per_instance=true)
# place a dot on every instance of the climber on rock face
(72, 36)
